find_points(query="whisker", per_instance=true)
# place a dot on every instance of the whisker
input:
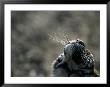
(57, 39)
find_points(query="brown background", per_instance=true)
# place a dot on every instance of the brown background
(38, 37)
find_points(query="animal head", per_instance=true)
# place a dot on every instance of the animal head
(73, 50)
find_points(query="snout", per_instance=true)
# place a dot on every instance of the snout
(74, 51)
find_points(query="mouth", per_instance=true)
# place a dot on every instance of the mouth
(77, 53)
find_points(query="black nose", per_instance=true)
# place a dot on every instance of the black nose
(80, 42)
(78, 47)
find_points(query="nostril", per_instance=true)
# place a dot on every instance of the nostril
(80, 42)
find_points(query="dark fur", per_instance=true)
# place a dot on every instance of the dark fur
(78, 62)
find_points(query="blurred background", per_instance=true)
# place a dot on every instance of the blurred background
(37, 38)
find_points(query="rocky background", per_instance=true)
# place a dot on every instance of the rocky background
(38, 37)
